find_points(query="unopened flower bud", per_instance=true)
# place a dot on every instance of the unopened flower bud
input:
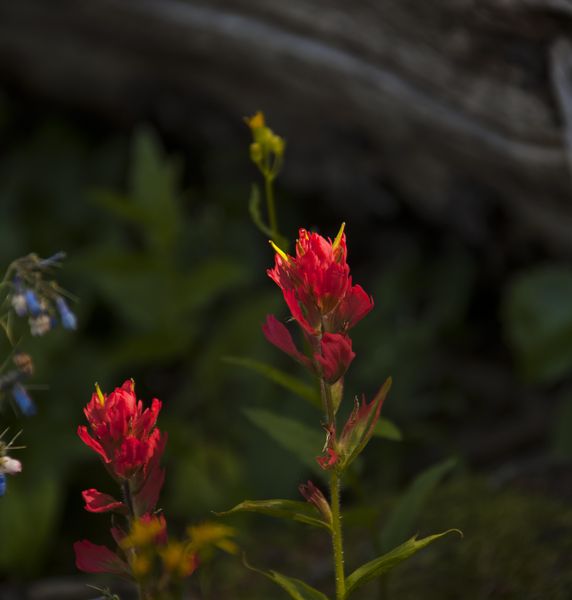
(277, 144)
(256, 121)
(23, 400)
(33, 304)
(69, 320)
(19, 304)
(10, 465)
(315, 497)
(255, 152)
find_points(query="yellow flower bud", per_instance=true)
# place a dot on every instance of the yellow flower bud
(255, 152)
(277, 145)
(256, 121)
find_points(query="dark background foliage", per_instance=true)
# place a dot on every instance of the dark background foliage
(145, 185)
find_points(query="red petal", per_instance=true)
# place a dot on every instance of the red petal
(277, 333)
(353, 308)
(89, 441)
(148, 419)
(97, 502)
(92, 558)
(132, 455)
(336, 356)
(293, 302)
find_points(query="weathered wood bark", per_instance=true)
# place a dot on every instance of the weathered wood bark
(429, 98)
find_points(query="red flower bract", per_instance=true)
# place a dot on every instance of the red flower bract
(335, 356)
(317, 285)
(122, 433)
(93, 558)
(125, 437)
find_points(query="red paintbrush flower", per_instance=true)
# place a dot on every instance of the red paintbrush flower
(317, 285)
(125, 437)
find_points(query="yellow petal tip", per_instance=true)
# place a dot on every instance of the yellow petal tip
(278, 251)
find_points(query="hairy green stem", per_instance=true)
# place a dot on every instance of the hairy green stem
(328, 404)
(337, 541)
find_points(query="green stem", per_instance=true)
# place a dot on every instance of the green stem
(326, 392)
(271, 208)
(337, 541)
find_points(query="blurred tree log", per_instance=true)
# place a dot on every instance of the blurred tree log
(462, 107)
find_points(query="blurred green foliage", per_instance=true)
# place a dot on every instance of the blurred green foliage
(537, 313)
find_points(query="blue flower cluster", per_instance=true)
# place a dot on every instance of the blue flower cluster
(37, 298)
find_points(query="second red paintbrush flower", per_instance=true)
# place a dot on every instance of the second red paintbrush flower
(125, 437)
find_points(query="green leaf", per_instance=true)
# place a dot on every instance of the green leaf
(402, 519)
(388, 430)
(303, 441)
(296, 588)
(302, 512)
(383, 564)
(292, 384)
(537, 315)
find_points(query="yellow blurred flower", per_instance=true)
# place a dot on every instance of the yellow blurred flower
(208, 535)
(144, 532)
(178, 559)
(140, 565)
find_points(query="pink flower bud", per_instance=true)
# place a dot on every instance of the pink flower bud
(10, 465)
(314, 496)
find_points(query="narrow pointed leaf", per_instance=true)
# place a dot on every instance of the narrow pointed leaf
(379, 399)
(401, 521)
(383, 564)
(295, 588)
(303, 441)
(303, 512)
(292, 384)
(388, 430)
